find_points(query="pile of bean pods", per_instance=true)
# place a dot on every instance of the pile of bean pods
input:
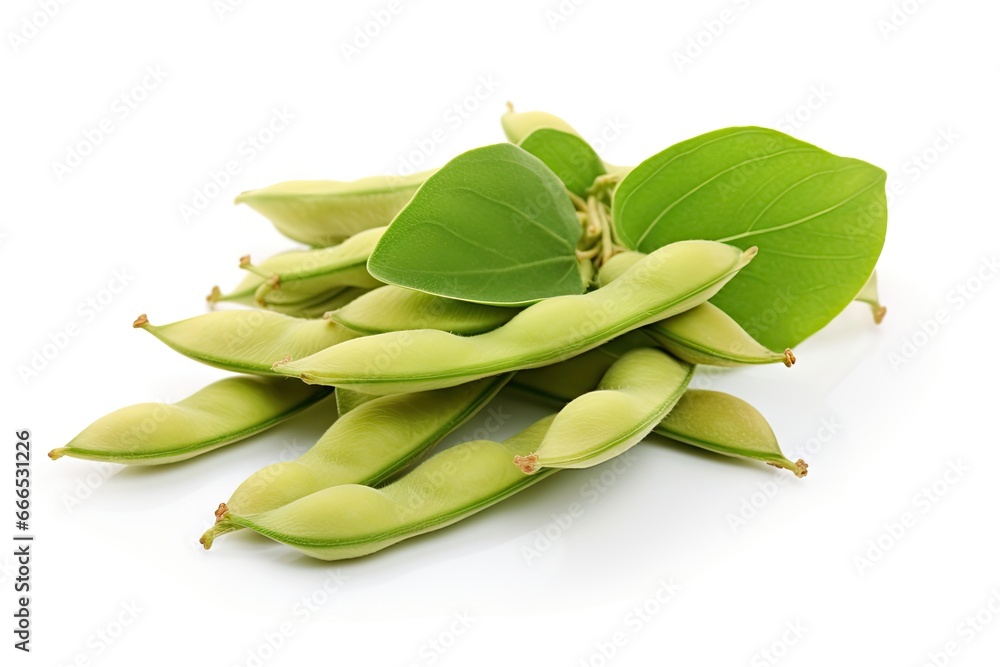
(515, 267)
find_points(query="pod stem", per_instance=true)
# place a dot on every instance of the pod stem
(528, 464)
(247, 265)
(222, 526)
(800, 467)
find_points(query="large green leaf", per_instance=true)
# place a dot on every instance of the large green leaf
(493, 226)
(567, 155)
(817, 219)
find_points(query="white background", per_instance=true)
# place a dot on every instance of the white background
(876, 429)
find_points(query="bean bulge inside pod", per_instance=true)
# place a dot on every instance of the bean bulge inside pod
(635, 394)
(671, 280)
(219, 414)
(353, 520)
(366, 446)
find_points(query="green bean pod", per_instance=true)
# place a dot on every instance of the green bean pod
(320, 306)
(703, 335)
(220, 414)
(246, 341)
(321, 213)
(869, 295)
(392, 308)
(353, 520)
(707, 335)
(311, 274)
(635, 394)
(710, 420)
(725, 424)
(366, 446)
(519, 124)
(673, 279)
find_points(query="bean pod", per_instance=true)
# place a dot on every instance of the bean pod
(246, 341)
(669, 281)
(220, 414)
(635, 394)
(353, 520)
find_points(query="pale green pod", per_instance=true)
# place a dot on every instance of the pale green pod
(220, 414)
(673, 279)
(728, 425)
(635, 394)
(246, 341)
(612, 269)
(519, 124)
(310, 274)
(320, 306)
(713, 420)
(353, 520)
(392, 308)
(707, 335)
(321, 213)
(348, 400)
(367, 446)
(869, 295)
(703, 335)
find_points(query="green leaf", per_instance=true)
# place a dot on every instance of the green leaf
(817, 219)
(493, 226)
(567, 155)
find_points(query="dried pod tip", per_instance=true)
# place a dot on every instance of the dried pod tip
(244, 261)
(789, 358)
(528, 464)
(800, 468)
(221, 512)
(274, 281)
(140, 321)
(878, 314)
(214, 295)
(510, 107)
(56, 453)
